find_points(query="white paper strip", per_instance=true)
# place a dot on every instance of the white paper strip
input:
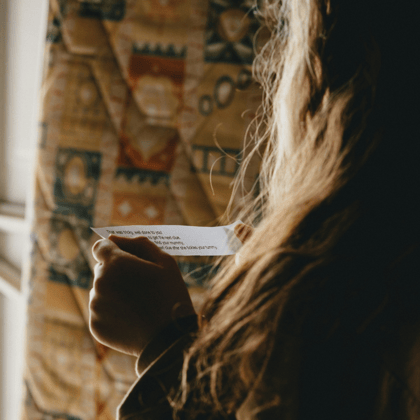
(182, 240)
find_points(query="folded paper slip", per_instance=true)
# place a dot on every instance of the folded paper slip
(182, 240)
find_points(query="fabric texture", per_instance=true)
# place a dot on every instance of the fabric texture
(145, 105)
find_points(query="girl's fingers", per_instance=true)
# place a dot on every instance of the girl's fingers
(141, 247)
(243, 232)
(103, 249)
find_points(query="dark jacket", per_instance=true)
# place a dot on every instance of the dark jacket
(396, 395)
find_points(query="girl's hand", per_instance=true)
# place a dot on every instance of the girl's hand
(243, 232)
(137, 290)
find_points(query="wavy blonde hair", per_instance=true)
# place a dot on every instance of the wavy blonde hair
(337, 220)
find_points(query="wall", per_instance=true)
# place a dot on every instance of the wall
(22, 33)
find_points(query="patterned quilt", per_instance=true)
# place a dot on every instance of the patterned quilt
(145, 106)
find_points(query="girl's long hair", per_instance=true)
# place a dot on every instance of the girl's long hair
(329, 273)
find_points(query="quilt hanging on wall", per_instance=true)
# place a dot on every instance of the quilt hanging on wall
(141, 101)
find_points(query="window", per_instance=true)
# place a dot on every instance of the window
(22, 33)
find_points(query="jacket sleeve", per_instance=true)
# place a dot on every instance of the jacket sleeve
(158, 367)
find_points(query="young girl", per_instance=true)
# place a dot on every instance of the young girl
(319, 318)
